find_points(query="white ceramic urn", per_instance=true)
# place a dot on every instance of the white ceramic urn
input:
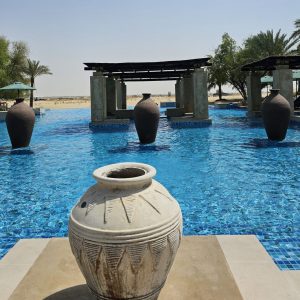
(125, 232)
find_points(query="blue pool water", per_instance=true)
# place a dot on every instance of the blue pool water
(227, 177)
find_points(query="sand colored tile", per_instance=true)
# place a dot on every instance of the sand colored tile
(18, 261)
(200, 272)
(24, 252)
(293, 278)
(255, 273)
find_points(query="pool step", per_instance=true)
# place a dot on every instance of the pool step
(254, 271)
(206, 267)
(17, 262)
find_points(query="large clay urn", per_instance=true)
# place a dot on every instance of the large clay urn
(124, 233)
(20, 120)
(276, 112)
(146, 118)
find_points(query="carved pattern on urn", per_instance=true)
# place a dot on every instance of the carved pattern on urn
(129, 249)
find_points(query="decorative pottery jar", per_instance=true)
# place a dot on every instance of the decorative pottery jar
(124, 232)
(20, 120)
(276, 112)
(146, 118)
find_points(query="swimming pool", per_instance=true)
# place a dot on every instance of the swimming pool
(227, 177)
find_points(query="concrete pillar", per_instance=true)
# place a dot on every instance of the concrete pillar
(98, 97)
(124, 92)
(254, 93)
(181, 91)
(110, 96)
(178, 93)
(188, 93)
(200, 94)
(119, 93)
(283, 80)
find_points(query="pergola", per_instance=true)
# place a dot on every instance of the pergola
(108, 88)
(281, 68)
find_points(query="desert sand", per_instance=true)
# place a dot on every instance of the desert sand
(84, 102)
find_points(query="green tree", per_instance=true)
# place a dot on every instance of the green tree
(33, 69)
(267, 43)
(226, 65)
(4, 60)
(296, 34)
(237, 77)
(18, 59)
(217, 75)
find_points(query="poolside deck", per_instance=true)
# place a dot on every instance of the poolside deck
(206, 267)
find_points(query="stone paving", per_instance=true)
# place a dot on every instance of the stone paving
(206, 267)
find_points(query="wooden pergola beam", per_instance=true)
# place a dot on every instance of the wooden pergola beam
(148, 66)
(270, 63)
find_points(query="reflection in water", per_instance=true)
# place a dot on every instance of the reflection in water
(265, 143)
(69, 129)
(7, 150)
(137, 147)
(21, 151)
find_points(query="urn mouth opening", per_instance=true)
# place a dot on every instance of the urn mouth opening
(126, 173)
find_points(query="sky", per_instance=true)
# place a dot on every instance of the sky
(63, 34)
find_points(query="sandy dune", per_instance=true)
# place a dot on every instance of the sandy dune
(84, 102)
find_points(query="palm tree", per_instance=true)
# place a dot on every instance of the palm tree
(267, 43)
(34, 69)
(296, 33)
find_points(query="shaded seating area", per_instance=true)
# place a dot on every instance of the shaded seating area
(108, 87)
(3, 105)
(281, 68)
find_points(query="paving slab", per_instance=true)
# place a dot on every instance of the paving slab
(17, 262)
(293, 278)
(255, 273)
(200, 271)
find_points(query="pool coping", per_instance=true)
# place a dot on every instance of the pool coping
(253, 270)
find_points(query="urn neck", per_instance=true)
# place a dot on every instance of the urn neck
(19, 100)
(146, 96)
(274, 92)
(125, 175)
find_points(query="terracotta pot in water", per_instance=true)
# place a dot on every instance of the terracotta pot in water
(124, 233)
(276, 112)
(20, 120)
(146, 118)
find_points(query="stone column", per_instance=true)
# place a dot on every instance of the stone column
(98, 97)
(253, 93)
(200, 94)
(181, 91)
(119, 93)
(188, 87)
(283, 80)
(124, 92)
(110, 96)
(178, 94)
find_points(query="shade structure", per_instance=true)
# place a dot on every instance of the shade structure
(269, 63)
(296, 75)
(269, 79)
(266, 79)
(17, 86)
(149, 71)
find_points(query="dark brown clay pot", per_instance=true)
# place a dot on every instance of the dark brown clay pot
(20, 121)
(146, 118)
(276, 112)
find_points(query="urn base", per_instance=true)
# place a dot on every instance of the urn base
(152, 296)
